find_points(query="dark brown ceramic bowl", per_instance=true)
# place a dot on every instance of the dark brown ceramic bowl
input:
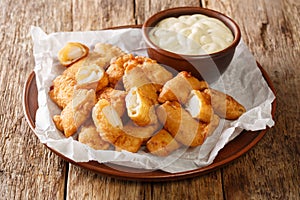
(209, 66)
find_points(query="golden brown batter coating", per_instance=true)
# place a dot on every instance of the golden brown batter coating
(180, 124)
(140, 108)
(224, 105)
(107, 121)
(179, 88)
(135, 77)
(100, 115)
(76, 112)
(199, 106)
(162, 143)
(128, 143)
(156, 73)
(110, 126)
(117, 68)
(115, 97)
(91, 77)
(88, 135)
(72, 52)
(143, 132)
(62, 91)
(108, 52)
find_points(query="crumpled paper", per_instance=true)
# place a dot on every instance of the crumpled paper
(243, 80)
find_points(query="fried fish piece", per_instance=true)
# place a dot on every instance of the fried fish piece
(62, 90)
(115, 97)
(156, 73)
(199, 106)
(179, 88)
(109, 125)
(143, 132)
(212, 125)
(91, 77)
(88, 135)
(76, 112)
(107, 121)
(128, 143)
(135, 77)
(72, 52)
(180, 124)
(108, 52)
(149, 69)
(162, 143)
(90, 59)
(116, 69)
(224, 105)
(140, 108)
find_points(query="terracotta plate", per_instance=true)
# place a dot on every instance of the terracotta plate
(234, 149)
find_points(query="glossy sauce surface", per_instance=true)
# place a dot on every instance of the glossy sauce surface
(191, 35)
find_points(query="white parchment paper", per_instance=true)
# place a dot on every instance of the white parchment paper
(242, 80)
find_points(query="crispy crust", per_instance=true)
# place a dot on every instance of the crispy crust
(162, 143)
(181, 125)
(224, 105)
(88, 135)
(76, 112)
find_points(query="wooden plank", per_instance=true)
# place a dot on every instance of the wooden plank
(28, 170)
(271, 169)
(83, 184)
(145, 9)
(95, 15)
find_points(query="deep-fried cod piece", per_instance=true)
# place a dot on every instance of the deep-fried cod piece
(115, 97)
(88, 135)
(212, 125)
(90, 59)
(179, 88)
(141, 97)
(128, 143)
(116, 69)
(108, 52)
(91, 77)
(140, 108)
(162, 143)
(199, 106)
(156, 73)
(153, 72)
(76, 112)
(107, 121)
(224, 105)
(143, 132)
(72, 52)
(101, 56)
(109, 125)
(180, 124)
(135, 77)
(62, 91)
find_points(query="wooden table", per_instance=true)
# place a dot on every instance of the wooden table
(28, 170)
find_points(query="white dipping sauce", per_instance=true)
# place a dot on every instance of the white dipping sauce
(191, 35)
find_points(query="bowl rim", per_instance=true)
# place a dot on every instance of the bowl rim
(176, 11)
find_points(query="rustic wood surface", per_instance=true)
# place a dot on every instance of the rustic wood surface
(28, 170)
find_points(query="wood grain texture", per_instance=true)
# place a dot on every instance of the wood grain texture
(84, 184)
(145, 9)
(271, 169)
(95, 15)
(27, 169)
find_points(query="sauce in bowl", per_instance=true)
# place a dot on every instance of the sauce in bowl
(195, 34)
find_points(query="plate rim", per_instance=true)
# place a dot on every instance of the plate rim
(156, 175)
